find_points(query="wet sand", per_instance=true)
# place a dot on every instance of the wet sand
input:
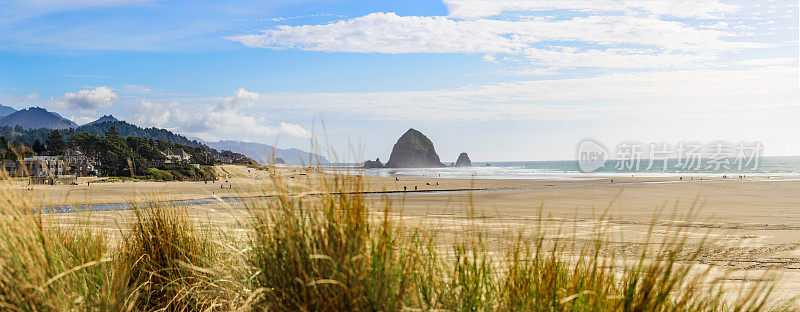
(239, 181)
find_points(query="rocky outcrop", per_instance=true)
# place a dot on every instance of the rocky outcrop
(463, 160)
(414, 150)
(372, 164)
(280, 161)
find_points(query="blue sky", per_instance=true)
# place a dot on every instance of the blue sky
(501, 80)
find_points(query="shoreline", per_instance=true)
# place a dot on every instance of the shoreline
(244, 182)
(207, 200)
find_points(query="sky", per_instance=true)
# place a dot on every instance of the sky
(498, 79)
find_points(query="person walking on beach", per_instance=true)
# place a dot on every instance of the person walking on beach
(405, 188)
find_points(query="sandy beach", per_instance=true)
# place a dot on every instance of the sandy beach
(752, 225)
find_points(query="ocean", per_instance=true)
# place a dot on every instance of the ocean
(570, 170)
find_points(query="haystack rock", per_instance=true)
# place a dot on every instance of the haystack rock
(371, 164)
(463, 160)
(414, 150)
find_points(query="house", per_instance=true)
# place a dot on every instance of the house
(77, 163)
(176, 156)
(42, 166)
(228, 157)
(10, 167)
(37, 166)
(172, 158)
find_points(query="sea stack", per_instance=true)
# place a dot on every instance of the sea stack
(463, 160)
(414, 150)
(372, 164)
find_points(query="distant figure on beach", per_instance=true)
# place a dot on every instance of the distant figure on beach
(396, 179)
(415, 187)
(405, 188)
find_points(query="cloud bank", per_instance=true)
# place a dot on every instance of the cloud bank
(216, 118)
(596, 33)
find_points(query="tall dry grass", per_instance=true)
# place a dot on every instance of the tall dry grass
(51, 268)
(170, 262)
(338, 252)
(325, 255)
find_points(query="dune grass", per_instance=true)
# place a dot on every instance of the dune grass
(169, 261)
(50, 268)
(339, 253)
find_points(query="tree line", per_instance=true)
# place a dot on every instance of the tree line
(115, 155)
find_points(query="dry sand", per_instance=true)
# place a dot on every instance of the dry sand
(753, 224)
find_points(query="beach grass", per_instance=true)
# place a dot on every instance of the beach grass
(341, 252)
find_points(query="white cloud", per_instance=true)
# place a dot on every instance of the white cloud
(241, 98)
(293, 130)
(89, 99)
(681, 8)
(390, 33)
(152, 114)
(82, 120)
(19, 101)
(606, 40)
(231, 117)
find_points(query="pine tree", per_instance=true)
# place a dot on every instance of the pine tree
(3, 148)
(38, 147)
(55, 143)
(112, 132)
